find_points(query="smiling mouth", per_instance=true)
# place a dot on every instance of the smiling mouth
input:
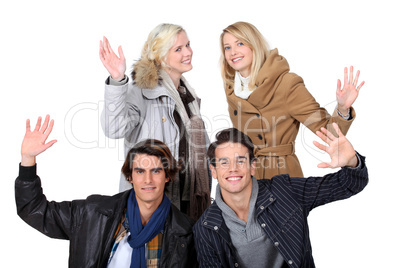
(233, 178)
(186, 61)
(237, 59)
(149, 188)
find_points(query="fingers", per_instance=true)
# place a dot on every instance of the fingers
(49, 129)
(337, 129)
(28, 125)
(338, 86)
(38, 124)
(360, 86)
(351, 75)
(45, 124)
(323, 165)
(345, 76)
(320, 146)
(120, 50)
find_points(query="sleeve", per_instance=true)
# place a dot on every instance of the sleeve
(316, 191)
(305, 109)
(206, 254)
(118, 116)
(50, 218)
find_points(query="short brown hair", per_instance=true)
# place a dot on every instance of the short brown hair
(232, 135)
(155, 148)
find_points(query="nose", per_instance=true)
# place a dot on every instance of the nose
(188, 51)
(233, 166)
(148, 177)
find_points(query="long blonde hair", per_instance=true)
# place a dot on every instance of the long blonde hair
(249, 35)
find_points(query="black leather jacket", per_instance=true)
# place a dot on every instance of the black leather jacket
(90, 224)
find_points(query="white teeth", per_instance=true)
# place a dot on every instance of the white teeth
(146, 189)
(237, 59)
(234, 178)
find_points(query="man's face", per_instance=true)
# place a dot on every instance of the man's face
(148, 178)
(233, 169)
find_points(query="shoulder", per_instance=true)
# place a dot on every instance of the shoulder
(179, 222)
(104, 204)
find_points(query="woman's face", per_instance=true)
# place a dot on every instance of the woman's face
(179, 56)
(238, 55)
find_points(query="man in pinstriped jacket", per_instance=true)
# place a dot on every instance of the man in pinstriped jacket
(264, 223)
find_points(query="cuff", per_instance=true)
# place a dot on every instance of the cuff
(27, 173)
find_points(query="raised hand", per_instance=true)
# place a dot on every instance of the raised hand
(34, 142)
(339, 149)
(348, 94)
(115, 65)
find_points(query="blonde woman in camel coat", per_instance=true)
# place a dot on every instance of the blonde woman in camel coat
(268, 103)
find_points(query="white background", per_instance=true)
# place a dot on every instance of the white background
(50, 65)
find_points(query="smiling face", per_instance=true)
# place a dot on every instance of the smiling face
(148, 178)
(233, 169)
(178, 59)
(237, 54)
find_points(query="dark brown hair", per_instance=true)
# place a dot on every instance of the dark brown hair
(155, 148)
(232, 135)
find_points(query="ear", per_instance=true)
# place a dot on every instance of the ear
(252, 168)
(213, 171)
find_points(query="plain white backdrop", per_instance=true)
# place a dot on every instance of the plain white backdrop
(50, 65)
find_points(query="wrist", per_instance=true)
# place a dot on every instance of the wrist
(118, 78)
(353, 163)
(343, 112)
(28, 161)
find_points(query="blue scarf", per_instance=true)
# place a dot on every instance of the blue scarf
(140, 235)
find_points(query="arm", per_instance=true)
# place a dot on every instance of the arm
(304, 108)
(350, 180)
(50, 218)
(206, 255)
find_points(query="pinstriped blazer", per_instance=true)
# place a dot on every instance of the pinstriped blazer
(282, 207)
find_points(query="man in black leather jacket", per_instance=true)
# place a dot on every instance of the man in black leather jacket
(97, 227)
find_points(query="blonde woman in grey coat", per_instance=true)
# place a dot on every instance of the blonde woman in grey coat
(159, 103)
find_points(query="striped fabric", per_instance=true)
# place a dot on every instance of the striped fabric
(282, 207)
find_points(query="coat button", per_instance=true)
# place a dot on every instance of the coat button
(216, 228)
(259, 136)
(261, 207)
(276, 244)
(263, 225)
(235, 112)
(163, 119)
(258, 115)
(290, 262)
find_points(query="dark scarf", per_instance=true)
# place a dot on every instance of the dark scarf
(139, 234)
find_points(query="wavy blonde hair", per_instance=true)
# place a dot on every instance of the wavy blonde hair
(145, 71)
(159, 41)
(249, 35)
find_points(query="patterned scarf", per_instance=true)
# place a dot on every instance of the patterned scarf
(139, 234)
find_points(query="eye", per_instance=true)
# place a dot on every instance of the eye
(240, 44)
(226, 48)
(156, 171)
(178, 49)
(188, 45)
(139, 171)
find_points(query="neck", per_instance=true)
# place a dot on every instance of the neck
(239, 202)
(147, 209)
(174, 76)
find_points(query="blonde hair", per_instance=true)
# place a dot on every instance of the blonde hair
(249, 35)
(145, 72)
(159, 41)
